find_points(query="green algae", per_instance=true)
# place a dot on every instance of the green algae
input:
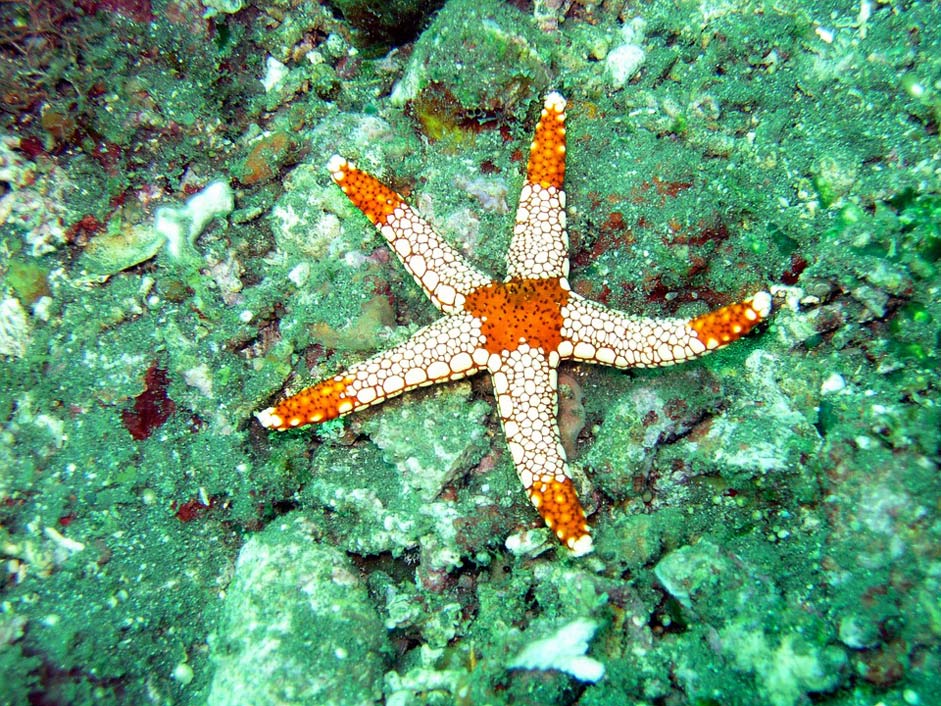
(794, 474)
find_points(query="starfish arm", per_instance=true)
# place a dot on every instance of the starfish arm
(438, 268)
(539, 248)
(444, 350)
(596, 334)
(525, 382)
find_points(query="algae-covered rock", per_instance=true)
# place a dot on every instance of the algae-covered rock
(648, 416)
(387, 496)
(690, 569)
(751, 625)
(381, 23)
(433, 440)
(117, 250)
(125, 245)
(297, 626)
(786, 669)
(466, 40)
(766, 431)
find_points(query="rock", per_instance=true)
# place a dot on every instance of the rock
(434, 439)
(474, 37)
(297, 626)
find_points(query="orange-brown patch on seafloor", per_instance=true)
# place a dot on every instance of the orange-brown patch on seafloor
(58, 125)
(571, 412)
(266, 158)
(670, 188)
(28, 281)
(442, 117)
(519, 311)
(152, 407)
(359, 333)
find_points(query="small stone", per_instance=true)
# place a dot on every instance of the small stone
(275, 72)
(563, 650)
(833, 383)
(623, 62)
(180, 226)
(183, 673)
(858, 633)
(688, 569)
(528, 543)
(14, 328)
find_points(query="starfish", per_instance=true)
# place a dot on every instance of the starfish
(518, 329)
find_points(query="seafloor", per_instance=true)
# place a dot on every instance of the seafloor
(174, 257)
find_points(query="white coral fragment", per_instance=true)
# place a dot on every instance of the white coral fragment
(180, 226)
(275, 73)
(14, 328)
(563, 650)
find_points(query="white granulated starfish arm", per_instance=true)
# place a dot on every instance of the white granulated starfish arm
(540, 243)
(526, 382)
(596, 334)
(435, 353)
(438, 268)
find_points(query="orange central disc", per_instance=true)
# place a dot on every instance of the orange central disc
(519, 311)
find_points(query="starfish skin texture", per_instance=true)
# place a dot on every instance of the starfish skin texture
(518, 329)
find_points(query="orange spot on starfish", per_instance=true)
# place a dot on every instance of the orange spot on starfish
(726, 324)
(317, 403)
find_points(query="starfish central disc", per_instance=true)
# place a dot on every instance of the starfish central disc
(519, 311)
